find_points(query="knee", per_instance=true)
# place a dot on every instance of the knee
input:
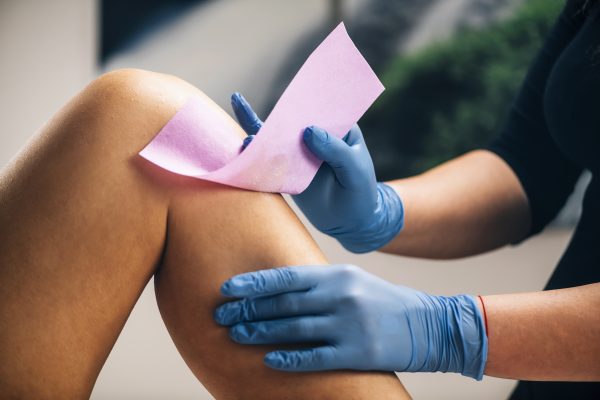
(137, 87)
(129, 106)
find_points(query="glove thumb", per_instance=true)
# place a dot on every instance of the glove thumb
(326, 147)
(245, 114)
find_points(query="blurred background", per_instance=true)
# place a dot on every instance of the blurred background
(451, 68)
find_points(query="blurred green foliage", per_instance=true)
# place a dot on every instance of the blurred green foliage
(453, 97)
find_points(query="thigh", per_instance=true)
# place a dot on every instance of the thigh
(82, 228)
(215, 232)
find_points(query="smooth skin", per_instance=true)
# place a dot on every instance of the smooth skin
(85, 223)
(476, 198)
(466, 206)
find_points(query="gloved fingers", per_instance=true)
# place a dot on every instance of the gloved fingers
(288, 330)
(350, 164)
(245, 114)
(271, 307)
(320, 188)
(247, 140)
(315, 359)
(326, 147)
(354, 136)
(272, 281)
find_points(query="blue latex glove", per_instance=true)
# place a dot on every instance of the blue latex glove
(358, 321)
(344, 200)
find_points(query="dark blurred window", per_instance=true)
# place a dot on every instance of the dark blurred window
(124, 22)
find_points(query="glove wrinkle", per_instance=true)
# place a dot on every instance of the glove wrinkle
(360, 321)
(383, 224)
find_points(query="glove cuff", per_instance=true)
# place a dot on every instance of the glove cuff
(387, 222)
(455, 337)
(467, 330)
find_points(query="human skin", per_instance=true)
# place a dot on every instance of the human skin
(545, 336)
(476, 197)
(85, 223)
(473, 204)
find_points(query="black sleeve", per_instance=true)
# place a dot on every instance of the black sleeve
(546, 175)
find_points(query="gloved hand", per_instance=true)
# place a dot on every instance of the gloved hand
(358, 320)
(344, 200)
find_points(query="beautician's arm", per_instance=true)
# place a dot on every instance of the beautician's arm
(476, 202)
(468, 205)
(465, 206)
(550, 335)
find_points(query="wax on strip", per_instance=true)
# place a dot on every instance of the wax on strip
(332, 90)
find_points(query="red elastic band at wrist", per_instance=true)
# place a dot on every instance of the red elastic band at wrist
(484, 315)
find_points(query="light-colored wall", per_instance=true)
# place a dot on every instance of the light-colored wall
(47, 52)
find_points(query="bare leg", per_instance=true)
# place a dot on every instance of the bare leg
(83, 222)
(196, 263)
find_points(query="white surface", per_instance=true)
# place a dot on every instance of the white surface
(47, 54)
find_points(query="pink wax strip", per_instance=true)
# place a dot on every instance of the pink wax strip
(332, 90)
